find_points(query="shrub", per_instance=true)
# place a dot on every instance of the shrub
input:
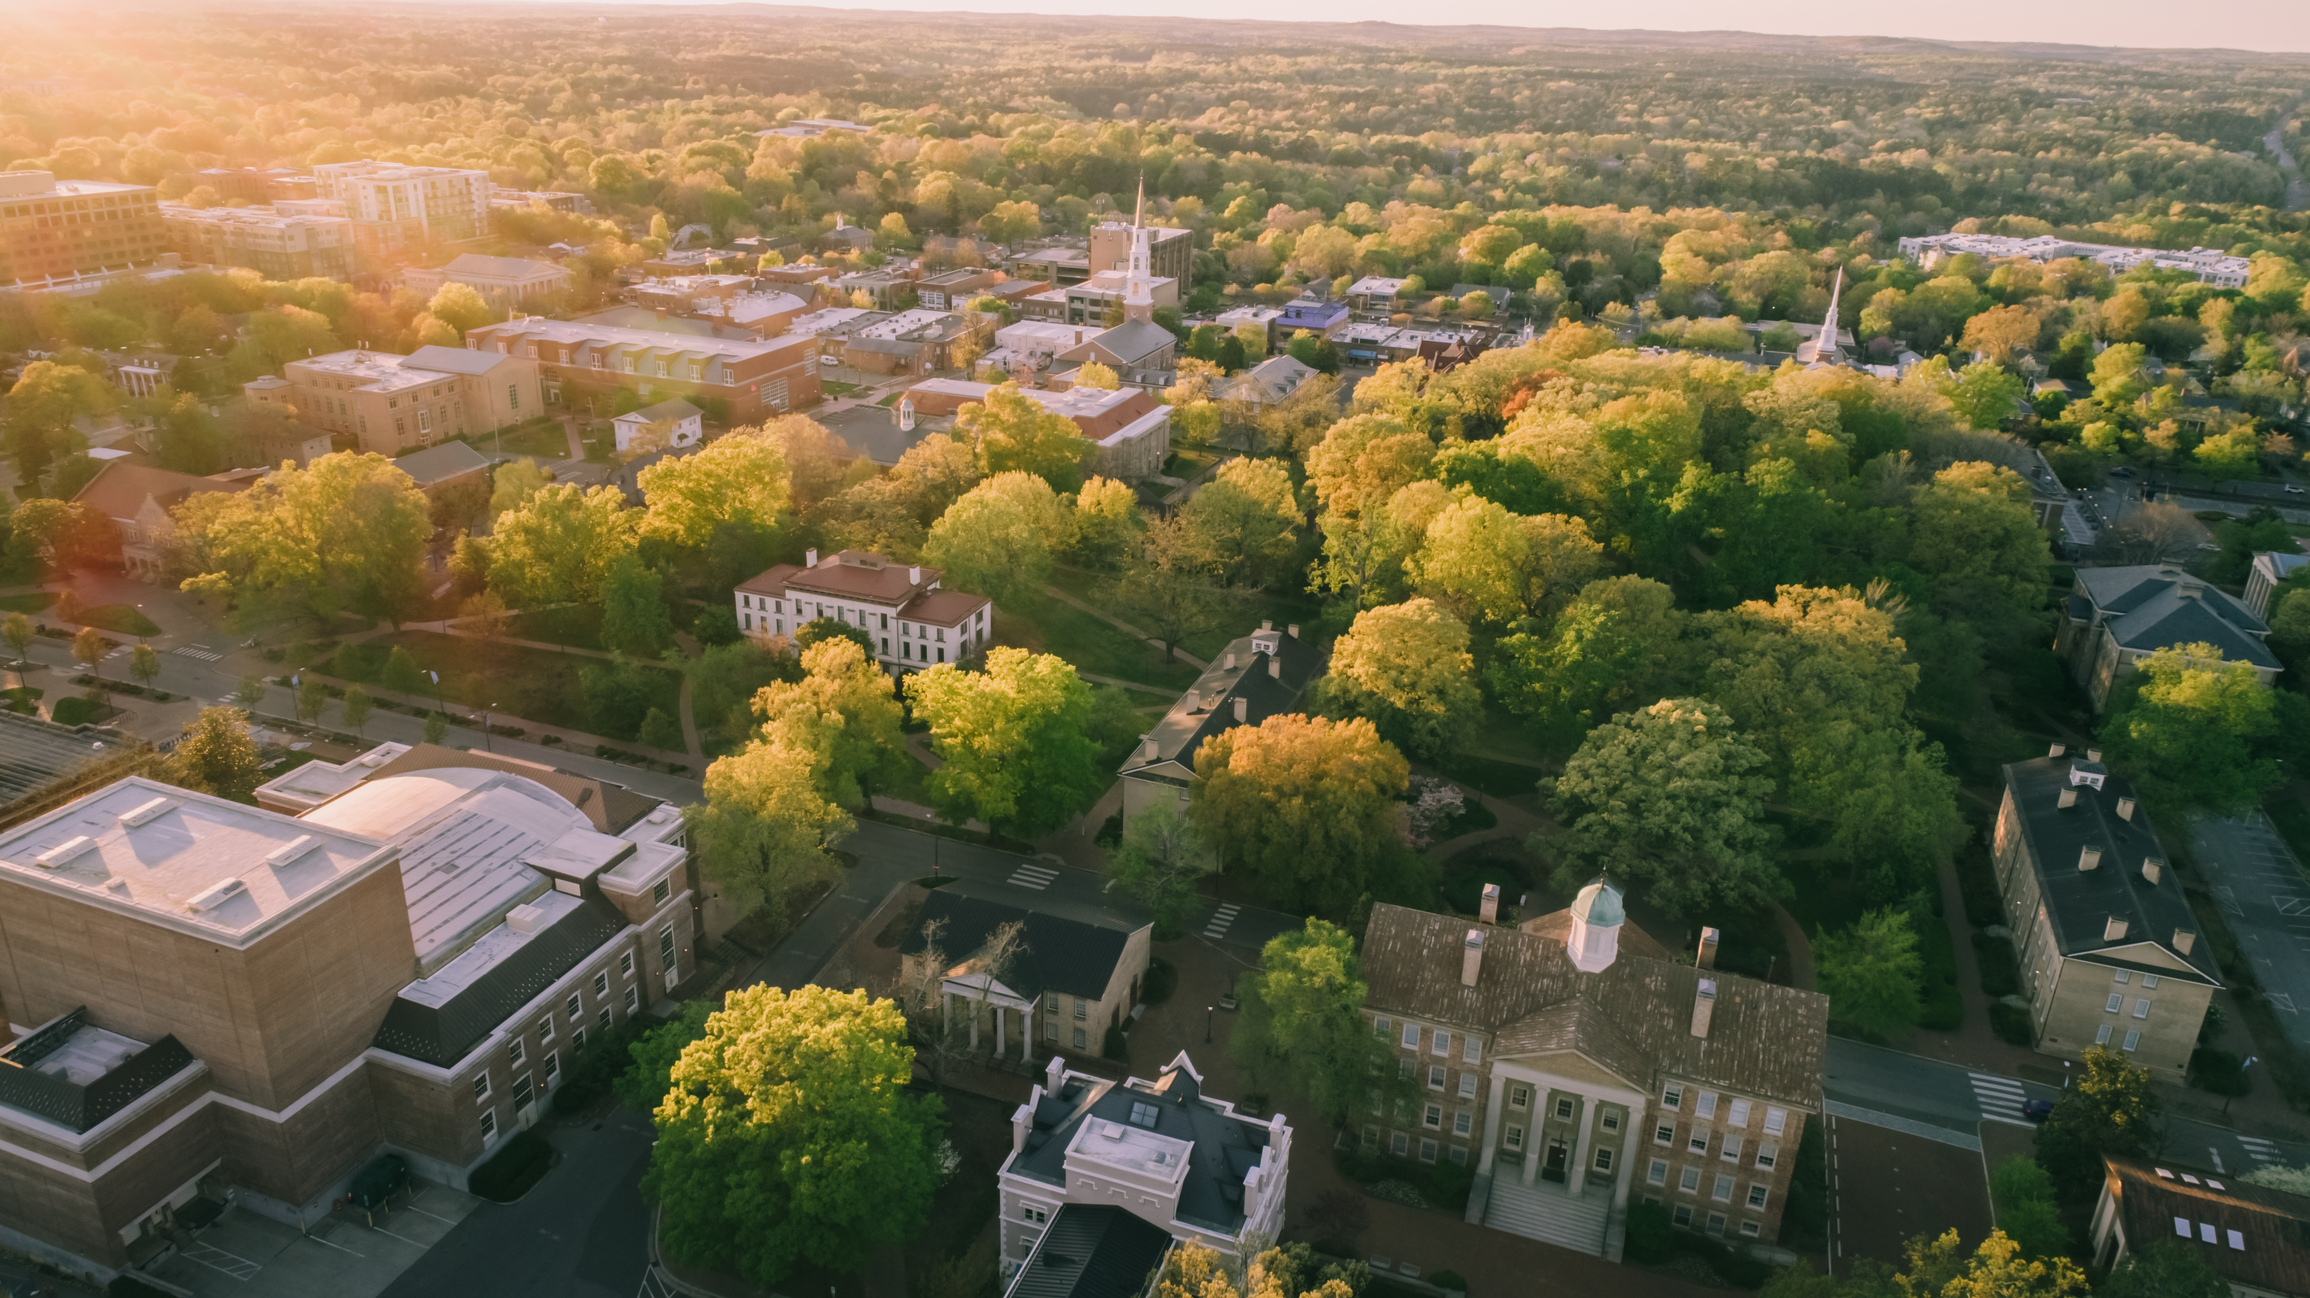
(1162, 980)
(1116, 1047)
(76, 711)
(596, 1067)
(2009, 1022)
(1650, 1239)
(519, 1164)
(1977, 883)
(1999, 977)
(1942, 1008)
(2218, 1071)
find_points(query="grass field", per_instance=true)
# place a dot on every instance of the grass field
(1091, 644)
(537, 685)
(575, 626)
(125, 619)
(546, 441)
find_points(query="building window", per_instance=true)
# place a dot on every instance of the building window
(1050, 1030)
(1471, 1045)
(2122, 978)
(603, 1018)
(1723, 1188)
(1433, 1117)
(1030, 1212)
(1688, 1180)
(1436, 1077)
(2116, 1002)
(514, 1049)
(626, 963)
(1604, 1160)
(1664, 1134)
(1082, 1008)
(513, 396)
(1564, 1108)
(1776, 1121)
(602, 983)
(666, 946)
(1682, 1216)
(1398, 1142)
(1704, 1108)
(521, 1093)
(1519, 1096)
(1768, 1155)
(2133, 1039)
(552, 1066)
(1463, 1123)
(1082, 1042)
(633, 999)
(1459, 1155)
(664, 890)
(1751, 1229)
(1739, 1117)
(577, 1039)
(1611, 1120)
(488, 1125)
(573, 1007)
(1379, 1022)
(1730, 1151)
(2150, 981)
(2101, 1035)
(1440, 1043)
(481, 1086)
(1514, 1139)
(545, 1028)
(1411, 1037)
(1697, 1141)
(1051, 1002)
(1716, 1223)
(1427, 1151)
(2142, 1008)
(1657, 1173)
(1758, 1193)
(1467, 1086)
(1672, 1097)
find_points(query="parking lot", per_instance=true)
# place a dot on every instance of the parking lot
(248, 1255)
(2264, 895)
(1887, 1187)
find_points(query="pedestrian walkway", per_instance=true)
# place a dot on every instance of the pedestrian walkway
(1221, 920)
(1037, 877)
(2000, 1098)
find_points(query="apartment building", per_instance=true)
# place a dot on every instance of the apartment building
(915, 624)
(1256, 677)
(279, 245)
(1076, 976)
(389, 404)
(2115, 617)
(396, 206)
(581, 361)
(1576, 1064)
(52, 229)
(213, 1001)
(1132, 429)
(2104, 939)
(2210, 265)
(1104, 1178)
(505, 283)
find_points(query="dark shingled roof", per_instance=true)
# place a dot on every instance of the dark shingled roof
(2080, 903)
(1092, 1251)
(2273, 1227)
(1210, 707)
(1063, 954)
(1635, 1017)
(1226, 1147)
(35, 753)
(441, 1035)
(2155, 605)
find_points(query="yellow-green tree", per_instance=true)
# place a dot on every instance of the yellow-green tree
(2189, 728)
(764, 828)
(1405, 668)
(347, 532)
(843, 710)
(740, 478)
(1093, 374)
(1483, 562)
(216, 756)
(1105, 523)
(1244, 523)
(1303, 809)
(460, 307)
(998, 539)
(1010, 432)
(1013, 740)
(560, 546)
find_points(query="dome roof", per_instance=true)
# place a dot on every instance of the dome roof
(1599, 905)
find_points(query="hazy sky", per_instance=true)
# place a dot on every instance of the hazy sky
(2282, 25)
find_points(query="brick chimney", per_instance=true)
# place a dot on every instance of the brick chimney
(1706, 958)
(2057, 750)
(1488, 910)
(2089, 858)
(1472, 957)
(1242, 710)
(2068, 798)
(1275, 668)
(1293, 629)
(2093, 754)
(2115, 929)
(2152, 871)
(914, 576)
(1703, 1006)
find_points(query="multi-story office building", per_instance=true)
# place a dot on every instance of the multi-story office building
(390, 404)
(581, 361)
(396, 206)
(279, 245)
(52, 229)
(2105, 941)
(914, 623)
(214, 1001)
(1575, 1063)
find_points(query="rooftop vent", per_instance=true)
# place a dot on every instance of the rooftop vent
(148, 813)
(216, 894)
(525, 919)
(2152, 871)
(810, 559)
(1148, 750)
(64, 851)
(1488, 910)
(1242, 710)
(2125, 808)
(291, 850)
(2088, 858)
(2184, 939)
(914, 576)
(2115, 929)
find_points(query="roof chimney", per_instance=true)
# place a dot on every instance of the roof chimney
(2057, 750)
(2125, 808)
(810, 560)
(2068, 798)
(1267, 624)
(1703, 1005)
(1275, 668)
(2152, 871)
(1294, 630)
(2088, 858)
(2093, 754)
(1228, 664)
(914, 576)
(1488, 910)
(1148, 750)
(1472, 957)
(1242, 709)
(2114, 929)
(1706, 958)
(2184, 939)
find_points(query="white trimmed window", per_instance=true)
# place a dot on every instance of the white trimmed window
(514, 1048)
(1688, 1180)
(1739, 1117)
(1611, 1121)
(1657, 1173)
(1471, 1048)
(1664, 1134)
(2116, 1002)
(2142, 1008)
(2101, 1035)
(1463, 1123)
(2150, 981)
(1433, 1117)
(573, 1007)
(1683, 1216)
(1519, 1096)
(545, 1028)
(2133, 1039)
(1697, 1141)
(1768, 1156)
(1398, 1142)
(1411, 1037)
(1758, 1193)
(1436, 1077)
(488, 1125)
(1440, 1043)
(1723, 1188)
(1776, 1121)
(1604, 1159)
(1672, 1097)
(633, 1000)
(602, 983)
(1467, 1086)
(481, 1086)
(2121, 978)
(1704, 1108)
(1427, 1151)
(1731, 1150)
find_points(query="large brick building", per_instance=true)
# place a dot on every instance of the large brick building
(211, 1000)
(581, 362)
(389, 404)
(51, 229)
(1576, 1064)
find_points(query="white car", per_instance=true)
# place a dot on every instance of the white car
(828, 360)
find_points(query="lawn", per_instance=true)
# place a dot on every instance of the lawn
(545, 440)
(1091, 644)
(30, 602)
(578, 626)
(126, 619)
(537, 685)
(838, 388)
(1281, 609)
(22, 699)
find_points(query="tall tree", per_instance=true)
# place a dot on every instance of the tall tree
(843, 710)
(1973, 532)
(1872, 970)
(1303, 809)
(1244, 523)
(2189, 729)
(634, 619)
(1303, 1023)
(2110, 1108)
(561, 546)
(1011, 432)
(998, 539)
(1158, 863)
(347, 532)
(1406, 667)
(1483, 562)
(1013, 741)
(739, 478)
(1672, 797)
(788, 1135)
(1617, 644)
(1105, 524)
(764, 828)
(217, 756)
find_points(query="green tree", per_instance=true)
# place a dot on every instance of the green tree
(844, 711)
(1157, 865)
(1243, 525)
(88, 649)
(216, 756)
(1485, 563)
(763, 830)
(1872, 971)
(312, 698)
(1010, 432)
(1302, 1022)
(16, 633)
(2023, 1196)
(998, 539)
(634, 617)
(1984, 394)
(460, 307)
(347, 532)
(561, 546)
(144, 664)
(1105, 523)
(1616, 644)
(252, 691)
(2188, 728)
(1672, 797)
(401, 674)
(1303, 809)
(643, 1086)
(1405, 668)
(357, 707)
(514, 482)
(42, 405)
(788, 1135)
(2111, 1108)
(1013, 741)
(1972, 531)
(436, 727)
(2163, 1269)
(740, 478)
(661, 732)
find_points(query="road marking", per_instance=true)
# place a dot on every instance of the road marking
(1037, 877)
(234, 1265)
(2258, 1149)
(1999, 1097)
(339, 1247)
(200, 651)
(1221, 919)
(1906, 1126)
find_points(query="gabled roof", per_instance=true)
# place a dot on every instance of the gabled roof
(674, 409)
(2080, 903)
(1092, 1251)
(1063, 953)
(1210, 707)
(1129, 342)
(1634, 1017)
(119, 490)
(2152, 606)
(1271, 380)
(2249, 1235)
(441, 463)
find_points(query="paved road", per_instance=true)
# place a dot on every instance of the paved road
(212, 681)
(2266, 898)
(1946, 1102)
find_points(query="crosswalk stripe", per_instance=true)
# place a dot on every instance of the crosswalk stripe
(1037, 877)
(202, 652)
(1998, 1097)
(1221, 919)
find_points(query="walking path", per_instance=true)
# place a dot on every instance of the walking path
(1123, 626)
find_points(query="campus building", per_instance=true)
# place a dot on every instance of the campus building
(140, 499)
(2210, 265)
(1104, 1178)
(1076, 975)
(278, 245)
(1132, 429)
(394, 206)
(389, 404)
(2118, 616)
(1575, 1064)
(2255, 1238)
(2105, 941)
(914, 623)
(212, 1001)
(583, 362)
(505, 283)
(52, 229)
(2271, 569)
(1256, 677)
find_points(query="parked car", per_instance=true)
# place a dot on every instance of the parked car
(2037, 1110)
(2293, 490)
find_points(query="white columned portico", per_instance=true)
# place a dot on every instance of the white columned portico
(998, 1030)
(1491, 1142)
(1576, 1173)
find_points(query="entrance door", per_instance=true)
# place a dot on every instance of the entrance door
(1553, 1167)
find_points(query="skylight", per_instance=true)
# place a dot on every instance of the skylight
(1143, 1115)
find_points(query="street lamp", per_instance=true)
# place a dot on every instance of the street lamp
(2241, 1077)
(1208, 1011)
(486, 746)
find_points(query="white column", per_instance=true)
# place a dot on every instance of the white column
(998, 1051)
(1534, 1136)
(1576, 1172)
(1027, 1032)
(974, 1024)
(1490, 1146)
